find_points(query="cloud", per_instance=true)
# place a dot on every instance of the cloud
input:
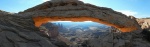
(128, 12)
(81, 0)
(45, 0)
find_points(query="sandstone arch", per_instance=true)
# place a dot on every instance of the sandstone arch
(66, 9)
(19, 29)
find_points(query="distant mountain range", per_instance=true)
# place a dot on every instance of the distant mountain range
(81, 24)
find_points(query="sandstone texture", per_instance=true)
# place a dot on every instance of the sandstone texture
(144, 23)
(19, 30)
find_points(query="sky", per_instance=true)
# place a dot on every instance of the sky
(137, 8)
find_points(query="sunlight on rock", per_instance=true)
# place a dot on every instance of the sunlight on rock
(40, 20)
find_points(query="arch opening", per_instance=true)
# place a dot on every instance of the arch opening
(40, 20)
(75, 33)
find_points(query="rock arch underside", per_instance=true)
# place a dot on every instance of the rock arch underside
(21, 29)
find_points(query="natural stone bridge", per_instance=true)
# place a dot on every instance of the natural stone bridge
(73, 10)
(20, 30)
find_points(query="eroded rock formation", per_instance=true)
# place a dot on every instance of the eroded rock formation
(144, 23)
(66, 9)
(20, 30)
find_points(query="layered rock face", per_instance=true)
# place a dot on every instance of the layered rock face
(19, 30)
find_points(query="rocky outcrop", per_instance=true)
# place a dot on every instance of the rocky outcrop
(4, 13)
(19, 30)
(52, 29)
(144, 23)
(118, 40)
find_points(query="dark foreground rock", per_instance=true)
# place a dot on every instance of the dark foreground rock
(20, 32)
